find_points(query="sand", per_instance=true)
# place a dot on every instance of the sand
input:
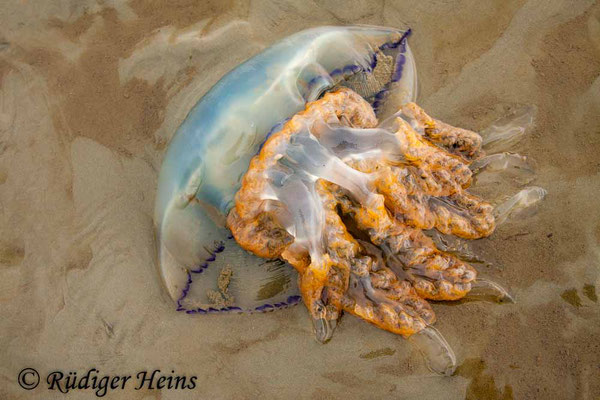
(91, 93)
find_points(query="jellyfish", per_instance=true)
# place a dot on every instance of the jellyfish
(313, 156)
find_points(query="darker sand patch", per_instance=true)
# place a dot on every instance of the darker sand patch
(242, 345)
(571, 297)
(11, 253)
(79, 258)
(386, 351)
(279, 282)
(589, 291)
(483, 384)
(273, 287)
(347, 379)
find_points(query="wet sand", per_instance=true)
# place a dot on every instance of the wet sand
(90, 95)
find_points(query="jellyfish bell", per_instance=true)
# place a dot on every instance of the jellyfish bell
(313, 152)
(212, 148)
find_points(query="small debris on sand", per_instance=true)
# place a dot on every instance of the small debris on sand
(222, 298)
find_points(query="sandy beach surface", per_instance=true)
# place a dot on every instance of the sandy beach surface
(91, 92)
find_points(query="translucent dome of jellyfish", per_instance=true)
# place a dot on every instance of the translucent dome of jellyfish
(309, 173)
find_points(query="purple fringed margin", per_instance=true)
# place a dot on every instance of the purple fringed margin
(398, 68)
(219, 248)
